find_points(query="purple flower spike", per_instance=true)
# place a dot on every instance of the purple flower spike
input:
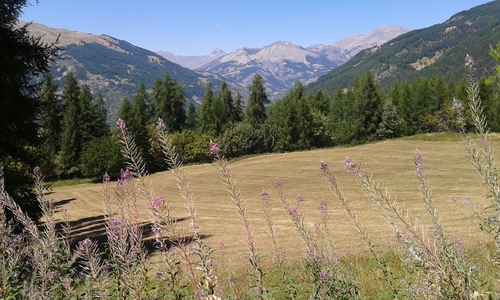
(158, 202)
(214, 149)
(457, 106)
(36, 170)
(322, 206)
(120, 124)
(469, 62)
(126, 175)
(160, 125)
(323, 275)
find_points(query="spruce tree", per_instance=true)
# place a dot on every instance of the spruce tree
(239, 109)
(206, 119)
(255, 111)
(168, 102)
(226, 97)
(368, 99)
(191, 117)
(138, 121)
(100, 125)
(71, 143)
(23, 59)
(389, 126)
(51, 115)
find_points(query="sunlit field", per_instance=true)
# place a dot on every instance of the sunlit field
(448, 172)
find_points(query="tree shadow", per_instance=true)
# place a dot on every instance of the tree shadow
(94, 228)
(63, 202)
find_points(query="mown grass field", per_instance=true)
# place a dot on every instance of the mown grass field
(449, 173)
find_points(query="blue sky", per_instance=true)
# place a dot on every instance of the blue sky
(189, 27)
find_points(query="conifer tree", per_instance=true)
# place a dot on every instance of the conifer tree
(238, 108)
(219, 116)
(168, 102)
(321, 102)
(368, 99)
(206, 119)
(255, 111)
(23, 58)
(100, 125)
(125, 111)
(86, 117)
(51, 115)
(191, 117)
(343, 121)
(388, 128)
(71, 143)
(138, 121)
(226, 97)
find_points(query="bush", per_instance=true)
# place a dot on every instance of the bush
(102, 156)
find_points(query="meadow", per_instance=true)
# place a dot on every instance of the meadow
(456, 191)
(448, 171)
(409, 218)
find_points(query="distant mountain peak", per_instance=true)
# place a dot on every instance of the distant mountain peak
(282, 63)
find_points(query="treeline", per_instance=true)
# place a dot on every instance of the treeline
(78, 142)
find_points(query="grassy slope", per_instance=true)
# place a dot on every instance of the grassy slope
(448, 171)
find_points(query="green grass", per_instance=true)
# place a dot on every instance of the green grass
(69, 182)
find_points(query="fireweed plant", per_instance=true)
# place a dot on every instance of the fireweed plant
(43, 262)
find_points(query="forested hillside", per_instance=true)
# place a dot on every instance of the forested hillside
(438, 49)
(115, 68)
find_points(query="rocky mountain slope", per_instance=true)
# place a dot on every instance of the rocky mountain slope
(192, 62)
(437, 50)
(283, 63)
(116, 68)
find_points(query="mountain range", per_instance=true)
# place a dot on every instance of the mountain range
(115, 68)
(436, 50)
(283, 63)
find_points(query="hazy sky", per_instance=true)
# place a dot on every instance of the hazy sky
(189, 27)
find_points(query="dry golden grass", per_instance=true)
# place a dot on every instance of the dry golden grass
(448, 171)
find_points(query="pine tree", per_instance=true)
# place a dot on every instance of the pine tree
(22, 59)
(321, 102)
(206, 119)
(226, 97)
(191, 117)
(344, 122)
(168, 102)
(388, 128)
(100, 125)
(238, 108)
(255, 111)
(86, 117)
(125, 111)
(368, 99)
(138, 121)
(51, 115)
(71, 143)
(290, 120)
(219, 116)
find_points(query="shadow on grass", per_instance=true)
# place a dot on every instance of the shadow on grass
(63, 202)
(94, 228)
